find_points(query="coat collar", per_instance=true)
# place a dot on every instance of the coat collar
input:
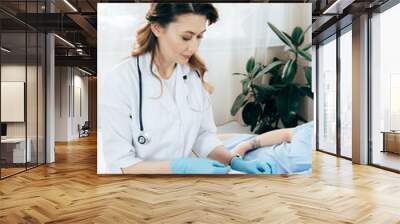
(181, 69)
(152, 86)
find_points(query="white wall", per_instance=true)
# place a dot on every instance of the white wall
(61, 103)
(240, 33)
(15, 72)
(79, 117)
(67, 115)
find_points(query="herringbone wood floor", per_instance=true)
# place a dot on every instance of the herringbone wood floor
(70, 191)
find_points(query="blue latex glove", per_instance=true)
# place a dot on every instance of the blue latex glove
(253, 166)
(198, 166)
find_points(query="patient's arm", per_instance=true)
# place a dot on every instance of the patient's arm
(221, 154)
(266, 139)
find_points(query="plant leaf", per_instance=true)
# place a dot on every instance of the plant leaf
(275, 59)
(250, 65)
(237, 73)
(281, 36)
(237, 104)
(245, 86)
(297, 37)
(288, 104)
(255, 70)
(269, 68)
(307, 92)
(305, 31)
(289, 71)
(304, 54)
(264, 92)
(251, 113)
(301, 118)
(263, 127)
(307, 47)
(276, 70)
(288, 36)
(276, 79)
(308, 74)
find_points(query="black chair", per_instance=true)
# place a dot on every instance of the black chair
(84, 130)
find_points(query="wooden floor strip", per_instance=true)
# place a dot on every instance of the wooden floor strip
(70, 191)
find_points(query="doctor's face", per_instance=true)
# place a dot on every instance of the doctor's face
(179, 40)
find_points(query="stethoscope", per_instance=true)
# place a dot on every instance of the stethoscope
(143, 137)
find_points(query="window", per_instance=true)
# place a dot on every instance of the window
(23, 78)
(346, 94)
(327, 97)
(385, 89)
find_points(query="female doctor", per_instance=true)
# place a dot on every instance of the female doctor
(155, 108)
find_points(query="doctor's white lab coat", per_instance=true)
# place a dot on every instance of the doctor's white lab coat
(175, 127)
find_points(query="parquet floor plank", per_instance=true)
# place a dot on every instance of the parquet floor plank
(70, 191)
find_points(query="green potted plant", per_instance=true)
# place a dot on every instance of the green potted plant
(266, 105)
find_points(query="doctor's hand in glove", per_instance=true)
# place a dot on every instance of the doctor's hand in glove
(198, 166)
(252, 166)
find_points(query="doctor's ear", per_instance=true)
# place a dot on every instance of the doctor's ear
(157, 29)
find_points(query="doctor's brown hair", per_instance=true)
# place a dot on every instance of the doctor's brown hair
(165, 13)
